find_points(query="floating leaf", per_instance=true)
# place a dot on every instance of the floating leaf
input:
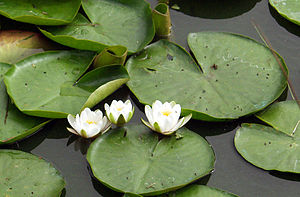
(134, 160)
(16, 45)
(13, 124)
(289, 9)
(199, 191)
(45, 84)
(269, 148)
(166, 72)
(50, 12)
(23, 174)
(113, 22)
(283, 116)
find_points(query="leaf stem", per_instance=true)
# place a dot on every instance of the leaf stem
(268, 43)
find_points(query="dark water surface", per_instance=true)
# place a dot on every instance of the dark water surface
(232, 173)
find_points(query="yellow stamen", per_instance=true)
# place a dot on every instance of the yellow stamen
(119, 108)
(90, 122)
(166, 113)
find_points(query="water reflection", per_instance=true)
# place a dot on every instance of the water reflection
(80, 144)
(213, 9)
(286, 175)
(289, 26)
(100, 188)
(30, 142)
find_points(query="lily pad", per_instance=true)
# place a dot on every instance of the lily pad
(45, 84)
(14, 125)
(135, 160)
(289, 9)
(113, 22)
(199, 191)
(270, 148)
(50, 12)
(165, 71)
(23, 174)
(16, 45)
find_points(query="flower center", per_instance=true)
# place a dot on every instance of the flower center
(90, 122)
(119, 108)
(166, 113)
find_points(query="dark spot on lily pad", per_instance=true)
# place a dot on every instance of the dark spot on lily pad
(170, 57)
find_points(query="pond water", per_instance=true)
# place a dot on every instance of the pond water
(232, 173)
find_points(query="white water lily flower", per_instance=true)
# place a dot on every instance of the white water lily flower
(89, 123)
(118, 112)
(164, 118)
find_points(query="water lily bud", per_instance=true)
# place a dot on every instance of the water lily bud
(118, 112)
(89, 123)
(164, 118)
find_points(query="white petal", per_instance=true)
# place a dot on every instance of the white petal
(99, 115)
(173, 103)
(182, 122)
(177, 108)
(186, 119)
(72, 131)
(92, 131)
(178, 125)
(113, 103)
(147, 124)
(157, 105)
(148, 113)
(107, 109)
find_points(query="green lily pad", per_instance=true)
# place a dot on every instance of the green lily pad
(134, 160)
(113, 22)
(24, 174)
(270, 148)
(14, 125)
(45, 84)
(289, 9)
(16, 45)
(50, 12)
(165, 71)
(199, 191)
(283, 116)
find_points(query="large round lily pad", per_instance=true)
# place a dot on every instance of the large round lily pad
(269, 148)
(50, 12)
(16, 45)
(113, 22)
(45, 84)
(134, 160)
(238, 76)
(289, 9)
(14, 125)
(23, 174)
(199, 191)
